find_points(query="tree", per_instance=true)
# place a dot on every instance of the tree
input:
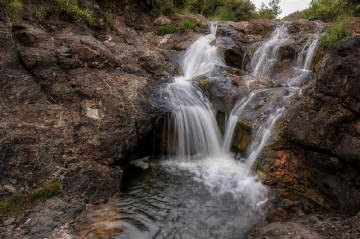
(274, 6)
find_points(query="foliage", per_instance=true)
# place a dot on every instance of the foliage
(295, 16)
(269, 12)
(12, 6)
(183, 26)
(186, 24)
(336, 32)
(72, 10)
(18, 202)
(330, 10)
(357, 215)
(109, 19)
(40, 15)
(275, 8)
(166, 29)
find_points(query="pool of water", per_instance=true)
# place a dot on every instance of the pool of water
(172, 199)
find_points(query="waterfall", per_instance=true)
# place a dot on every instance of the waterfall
(201, 57)
(194, 118)
(261, 65)
(200, 147)
(307, 52)
(266, 55)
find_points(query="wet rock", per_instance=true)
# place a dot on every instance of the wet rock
(178, 41)
(242, 136)
(329, 109)
(287, 52)
(314, 226)
(224, 88)
(141, 163)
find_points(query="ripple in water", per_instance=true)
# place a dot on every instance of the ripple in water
(201, 198)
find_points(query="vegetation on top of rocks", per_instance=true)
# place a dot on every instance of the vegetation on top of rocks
(12, 6)
(358, 215)
(336, 32)
(166, 29)
(186, 24)
(72, 10)
(18, 202)
(219, 10)
(183, 26)
(331, 10)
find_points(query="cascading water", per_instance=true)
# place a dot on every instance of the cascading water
(202, 191)
(265, 57)
(262, 62)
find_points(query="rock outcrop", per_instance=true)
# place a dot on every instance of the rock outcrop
(74, 104)
(314, 164)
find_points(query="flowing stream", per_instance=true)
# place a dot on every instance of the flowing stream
(202, 191)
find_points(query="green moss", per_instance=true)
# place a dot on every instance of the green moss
(358, 215)
(202, 84)
(18, 202)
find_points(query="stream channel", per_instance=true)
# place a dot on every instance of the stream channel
(203, 190)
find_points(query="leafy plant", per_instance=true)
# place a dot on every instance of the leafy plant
(335, 33)
(166, 29)
(18, 202)
(73, 11)
(12, 6)
(40, 15)
(186, 24)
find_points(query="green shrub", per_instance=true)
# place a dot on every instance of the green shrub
(186, 24)
(335, 33)
(12, 6)
(357, 215)
(18, 202)
(166, 29)
(40, 15)
(73, 11)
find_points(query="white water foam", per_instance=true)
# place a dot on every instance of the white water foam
(200, 147)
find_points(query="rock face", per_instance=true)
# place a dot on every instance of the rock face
(74, 103)
(327, 117)
(314, 226)
(40, 221)
(315, 164)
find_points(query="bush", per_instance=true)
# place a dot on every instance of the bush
(12, 6)
(186, 24)
(166, 29)
(40, 15)
(72, 10)
(335, 33)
